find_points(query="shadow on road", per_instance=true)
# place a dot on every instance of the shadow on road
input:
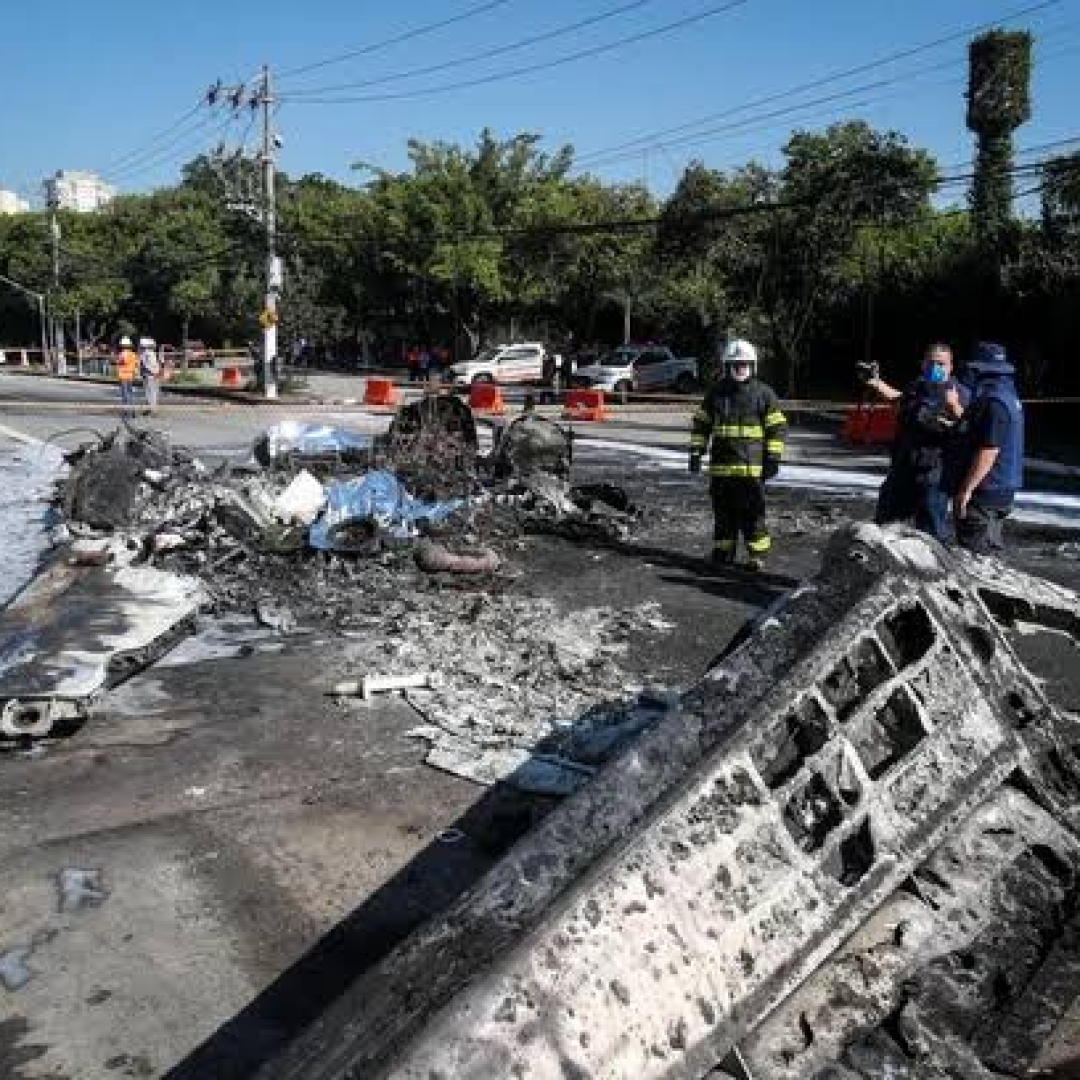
(428, 885)
(726, 582)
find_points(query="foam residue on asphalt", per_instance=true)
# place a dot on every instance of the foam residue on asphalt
(27, 474)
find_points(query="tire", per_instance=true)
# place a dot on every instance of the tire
(685, 384)
(483, 377)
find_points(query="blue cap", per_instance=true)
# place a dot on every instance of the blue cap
(990, 359)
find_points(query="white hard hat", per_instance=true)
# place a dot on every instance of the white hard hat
(740, 352)
(125, 340)
(146, 343)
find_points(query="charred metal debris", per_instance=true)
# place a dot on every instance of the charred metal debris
(293, 519)
(850, 852)
(384, 541)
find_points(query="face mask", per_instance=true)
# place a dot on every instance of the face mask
(935, 373)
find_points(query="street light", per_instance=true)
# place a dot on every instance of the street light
(40, 298)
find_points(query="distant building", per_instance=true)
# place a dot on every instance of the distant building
(10, 203)
(73, 189)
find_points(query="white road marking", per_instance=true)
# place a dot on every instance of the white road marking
(20, 436)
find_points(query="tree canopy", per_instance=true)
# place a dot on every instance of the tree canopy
(836, 250)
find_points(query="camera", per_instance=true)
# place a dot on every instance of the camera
(868, 370)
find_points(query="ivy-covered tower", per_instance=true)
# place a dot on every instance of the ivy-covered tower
(998, 102)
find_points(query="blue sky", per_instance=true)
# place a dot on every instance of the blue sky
(90, 85)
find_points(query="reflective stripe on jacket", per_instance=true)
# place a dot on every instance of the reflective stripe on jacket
(743, 427)
(127, 365)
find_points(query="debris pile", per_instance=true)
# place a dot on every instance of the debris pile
(530, 693)
(313, 488)
(404, 546)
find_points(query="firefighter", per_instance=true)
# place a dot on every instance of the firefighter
(741, 424)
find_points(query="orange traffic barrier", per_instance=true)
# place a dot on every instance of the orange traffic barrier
(230, 376)
(378, 391)
(870, 425)
(584, 405)
(486, 398)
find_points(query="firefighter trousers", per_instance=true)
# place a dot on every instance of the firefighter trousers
(739, 509)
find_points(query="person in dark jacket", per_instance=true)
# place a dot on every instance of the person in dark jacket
(742, 426)
(928, 414)
(989, 469)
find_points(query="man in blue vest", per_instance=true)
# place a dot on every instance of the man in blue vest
(990, 459)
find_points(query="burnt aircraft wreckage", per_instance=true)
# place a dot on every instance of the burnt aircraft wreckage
(155, 537)
(852, 853)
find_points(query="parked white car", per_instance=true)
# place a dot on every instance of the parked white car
(640, 367)
(523, 363)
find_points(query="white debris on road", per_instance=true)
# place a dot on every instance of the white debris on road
(528, 692)
(27, 474)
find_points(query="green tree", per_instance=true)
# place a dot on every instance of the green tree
(833, 184)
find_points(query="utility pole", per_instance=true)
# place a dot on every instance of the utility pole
(56, 330)
(273, 263)
(264, 210)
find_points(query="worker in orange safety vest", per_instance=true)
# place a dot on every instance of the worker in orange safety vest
(127, 367)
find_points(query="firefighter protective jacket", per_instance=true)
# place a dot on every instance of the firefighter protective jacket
(743, 425)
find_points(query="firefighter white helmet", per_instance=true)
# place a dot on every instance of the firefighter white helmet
(739, 353)
(125, 342)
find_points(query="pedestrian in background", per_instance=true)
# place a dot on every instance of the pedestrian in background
(127, 367)
(927, 419)
(566, 370)
(548, 371)
(989, 468)
(149, 371)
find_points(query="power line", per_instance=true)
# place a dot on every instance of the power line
(149, 157)
(824, 80)
(515, 73)
(116, 163)
(597, 161)
(486, 54)
(215, 96)
(754, 123)
(178, 149)
(398, 39)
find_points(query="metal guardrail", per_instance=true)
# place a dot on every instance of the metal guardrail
(101, 362)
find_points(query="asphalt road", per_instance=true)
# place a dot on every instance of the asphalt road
(49, 410)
